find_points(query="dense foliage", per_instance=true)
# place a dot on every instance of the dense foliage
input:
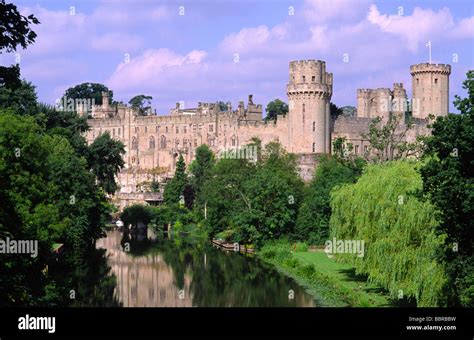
(448, 183)
(313, 217)
(398, 230)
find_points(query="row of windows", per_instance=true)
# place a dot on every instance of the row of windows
(303, 78)
(183, 129)
(163, 142)
(356, 148)
(418, 81)
(157, 129)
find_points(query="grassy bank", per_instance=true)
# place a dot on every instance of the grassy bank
(332, 283)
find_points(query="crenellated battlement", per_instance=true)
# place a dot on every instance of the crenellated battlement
(430, 68)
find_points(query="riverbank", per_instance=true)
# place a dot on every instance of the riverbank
(324, 277)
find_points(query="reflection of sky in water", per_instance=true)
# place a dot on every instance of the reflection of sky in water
(172, 276)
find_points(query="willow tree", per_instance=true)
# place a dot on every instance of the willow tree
(398, 230)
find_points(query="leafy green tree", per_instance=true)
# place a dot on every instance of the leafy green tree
(312, 225)
(335, 111)
(15, 31)
(222, 106)
(142, 103)
(388, 140)
(86, 91)
(274, 108)
(21, 98)
(223, 192)
(105, 160)
(398, 230)
(448, 183)
(175, 187)
(200, 169)
(136, 213)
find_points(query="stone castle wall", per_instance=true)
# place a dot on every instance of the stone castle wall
(153, 143)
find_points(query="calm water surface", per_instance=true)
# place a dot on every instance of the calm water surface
(173, 273)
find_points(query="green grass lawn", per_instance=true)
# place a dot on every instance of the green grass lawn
(354, 287)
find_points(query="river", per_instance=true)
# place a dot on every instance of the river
(173, 273)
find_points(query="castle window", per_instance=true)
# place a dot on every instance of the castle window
(145, 129)
(417, 81)
(366, 148)
(314, 147)
(177, 129)
(166, 129)
(184, 129)
(436, 80)
(313, 78)
(304, 107)
(176, 142)
(194, 128)
(356, 149)
(211, 128)
(304, 79)
(137, 129)
(233, 141)
(163, 142)
(134, 143)
(152, 142)
(133, 159)
(314, 126)
(113, 132)
(118, 131)
(195, 143)
(185, 143)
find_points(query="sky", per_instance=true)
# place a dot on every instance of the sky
(206, 51)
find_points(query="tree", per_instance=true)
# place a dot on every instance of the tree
(200, 169)
(175, 187)
(105, 160)
(388, 141)
(142, 103)
(274, 108)
(15, 31)
(312, 225)
(397, 228)
(335, 111)
(448, 183)
(223, 106)
(88, 91)
(21, 98)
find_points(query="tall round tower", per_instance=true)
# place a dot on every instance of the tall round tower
(309, 93)
(430, 86)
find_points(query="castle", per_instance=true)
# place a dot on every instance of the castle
(153, 143)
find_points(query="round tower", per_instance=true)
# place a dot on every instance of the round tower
(309, 93)
(430, 86)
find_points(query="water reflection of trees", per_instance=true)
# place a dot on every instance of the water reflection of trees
(220, 279)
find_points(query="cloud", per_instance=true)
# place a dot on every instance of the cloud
(422, 25)
(151, 67)
(117, 42)
(323, 11)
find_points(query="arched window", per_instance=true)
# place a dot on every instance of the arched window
(152, 142)
(163, 142)
(134, 143)
(314, 126)
(176, 142)
(233, 140)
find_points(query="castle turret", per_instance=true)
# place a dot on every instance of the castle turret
(430, 89)
(309, 93)
(105, 100)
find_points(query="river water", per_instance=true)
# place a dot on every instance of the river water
(173, 273)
